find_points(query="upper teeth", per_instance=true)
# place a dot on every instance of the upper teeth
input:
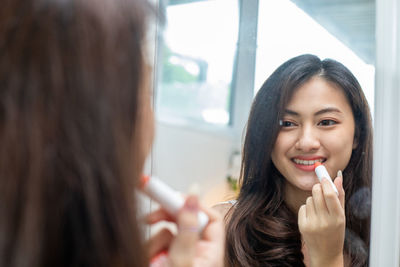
(306, 162)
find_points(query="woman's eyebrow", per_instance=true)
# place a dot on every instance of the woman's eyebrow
(291, 112)
(327, 110)
(319, 112)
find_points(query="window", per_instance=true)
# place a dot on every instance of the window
(196, 58)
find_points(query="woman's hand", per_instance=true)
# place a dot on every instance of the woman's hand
(322, 224)
(189, 247)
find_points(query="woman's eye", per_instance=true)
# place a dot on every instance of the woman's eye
(287, 123)
(327, 122)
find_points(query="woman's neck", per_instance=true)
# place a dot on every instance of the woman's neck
(295, 197)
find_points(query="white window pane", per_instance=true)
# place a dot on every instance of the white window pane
(194, 83)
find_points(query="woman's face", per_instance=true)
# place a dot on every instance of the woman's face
(318, 125)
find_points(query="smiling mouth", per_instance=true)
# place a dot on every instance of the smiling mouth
(308, 162)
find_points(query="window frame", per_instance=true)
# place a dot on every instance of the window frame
(385, 219)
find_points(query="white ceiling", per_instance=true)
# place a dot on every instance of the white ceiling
(351, 21)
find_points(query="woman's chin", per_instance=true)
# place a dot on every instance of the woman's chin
(306, 186)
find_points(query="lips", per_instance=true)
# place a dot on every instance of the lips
(307, 164)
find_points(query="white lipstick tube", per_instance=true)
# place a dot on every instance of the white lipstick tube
(171, 200)
(321, 172)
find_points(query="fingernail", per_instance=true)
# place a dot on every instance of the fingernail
(339, 173)
(191, 203)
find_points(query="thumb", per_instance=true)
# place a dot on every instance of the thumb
(339, 185)
(183, 247)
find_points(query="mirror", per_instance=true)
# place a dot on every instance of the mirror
(213, 56)
(352, 24)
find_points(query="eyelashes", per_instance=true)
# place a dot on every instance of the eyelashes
(284, 123)
(325, 122)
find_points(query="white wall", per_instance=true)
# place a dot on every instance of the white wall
(183, 156)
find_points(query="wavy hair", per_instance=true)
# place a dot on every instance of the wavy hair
(262, 230)
(70, 84)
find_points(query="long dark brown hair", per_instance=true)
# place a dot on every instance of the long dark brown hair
(262, 230)
(71, 73)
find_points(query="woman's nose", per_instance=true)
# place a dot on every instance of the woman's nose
(308, 140)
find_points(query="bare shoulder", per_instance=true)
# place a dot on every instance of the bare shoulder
(223, 207)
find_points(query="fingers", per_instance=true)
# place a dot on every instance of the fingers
(331, 199)
(339, 185)
(215, 230)
(157, 216)
(302, 217)
(318, 200)
(322, 220)
(159, 242)
(183, 247)
(325, 199)
(213, 235)
(310, 209)
(212, 214)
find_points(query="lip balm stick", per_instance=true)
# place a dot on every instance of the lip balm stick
(171, 200)
(321, 172)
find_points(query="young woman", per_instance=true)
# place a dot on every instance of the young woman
(308, 110)
(75, 129)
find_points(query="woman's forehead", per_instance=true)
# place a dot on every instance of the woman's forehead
(317, 94)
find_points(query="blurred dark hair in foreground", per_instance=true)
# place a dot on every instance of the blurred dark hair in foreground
(70, 79)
